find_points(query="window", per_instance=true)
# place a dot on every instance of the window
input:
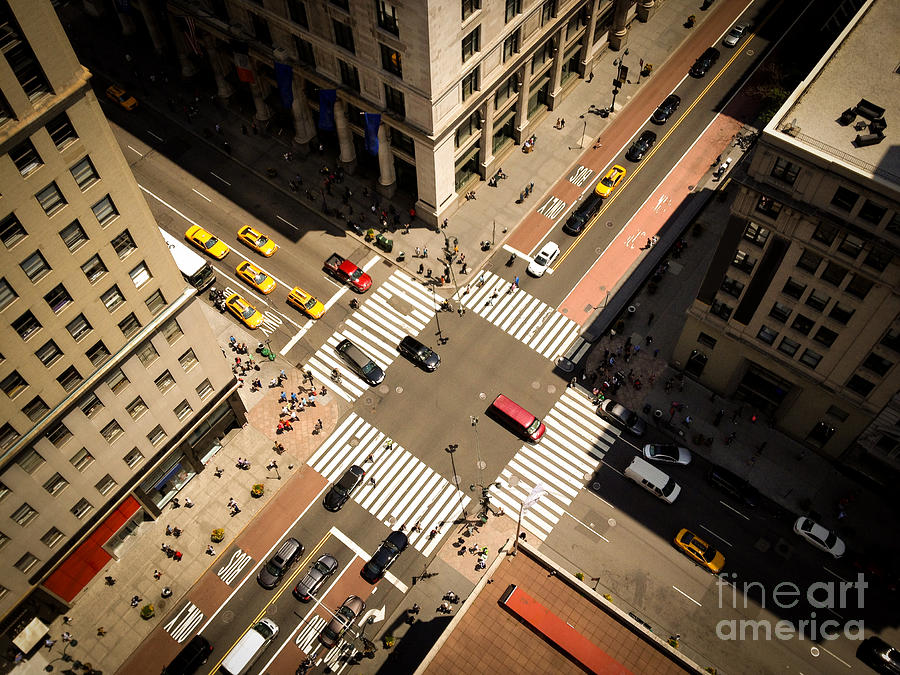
(511, 44)
(35, 409)
(4, 491)
(35, 266)
(157, 435)
(576, 22)
(204, 389)
(11, 231)
(818, 300)
(82, 508)
(834, 273)
(837, 413)
(111, 431)
(58, 434)
(780, 312)
(841, 313)
(23, 515)
(61, 131)
(94, 268)
(123, 244)
(756, 234)
(73, 235)
(90, 405)
(52, 537)
(79, 327)
(105, 211)
(171, 331)
(113, 299)
(13, 384)
(767, 335)
(70, 378)
(826, 233)
(105, 484)
(82, 459)
(156, 302)
(513, 7)
(469, 7)
(859, 286)
(56, 484)
(387, 17)
(297, 12)
(349, 75)
(343, 4)
(802, 324)
(165, 382)
(471, 44)
(505, 91)
(8, 436)
(133, 458)
(25, 157)
(707, 340)
(810, 358)
(403, 142)
(548, 11)
(878, 258)
(49, 353)
(4, 540)
(26, 562)
(721, 310)
(136, 408)
(50, 199)
(305, 53)
(391, 60)
(140, 275)
(732, 286)
(182, 410)
(825, 336)
(844, 199)
(394, 101)
(872, 212)
(877, 364)
(744, 261)
(129, 325)
(893, 225)
(785, 171)
(860, 385)
(468, 128)
(26, 326)
(188, 360)
(29, 460)
(891, 339)
(851, 246)
(84, 174)
(542, 54)
(343, 36)
(147, 353)
(470, 84)
(809, 261)
(768, 206)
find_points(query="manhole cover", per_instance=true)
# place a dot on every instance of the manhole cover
(611, 522)
(398, 390)
(482, 396)
(481, 464)
(551, 388)
(609, 223)
(535, 385)
(353, 442)
(227, 616)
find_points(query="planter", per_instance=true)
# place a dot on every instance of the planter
(388, 641)
(147, 612)
(257, 490)
(217, 535)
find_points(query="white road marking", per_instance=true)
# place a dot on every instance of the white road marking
(687, 596)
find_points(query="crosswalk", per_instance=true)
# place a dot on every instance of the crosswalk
(406, 490)
(400, 306)
(574, 444)
(525, 317)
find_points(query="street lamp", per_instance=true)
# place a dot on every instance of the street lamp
(452, 448)
(441, 339)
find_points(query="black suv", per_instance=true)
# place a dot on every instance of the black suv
(705, 62)
(340, 492)
(361, 362)
(641, 146)
(419, 354)
(193, 655)
(384, 557)
(733, 485)
(579, 219)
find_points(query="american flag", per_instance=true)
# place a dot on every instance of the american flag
(190, 36)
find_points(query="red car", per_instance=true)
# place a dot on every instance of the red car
(347, 272)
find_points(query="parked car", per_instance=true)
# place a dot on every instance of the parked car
(340, 492)
(610, 181)
(641, 146)
(666, 109)
(360, 362)
(387, 553)
(667, 453)
(317, 575)
(699, 551)
(343, 619)
(622, 417)
(733, 485)
(545, 257)
(819, 536)
(704, 62)
(735, 34)
(419, 354)
(879, 655)
(279, 564)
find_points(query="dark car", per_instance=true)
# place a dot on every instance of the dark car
(879, 655)
(343, 619)
(622, 417)
(706, 61)
(317, 575)
(641, 146)
(384, 557)
(733, 485)
(582, 215)
(360, 362)
(340, 492)
(419, 354)
(666, 109)
(279, 564)
(193, 655)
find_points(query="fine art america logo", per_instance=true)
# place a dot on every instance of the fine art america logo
(828, 597)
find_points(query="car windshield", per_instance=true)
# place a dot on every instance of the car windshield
(310, 303)
(607, 181)
(272, 568)
(666, 451)
(248, 312)
(831, 540)
(212, 241)
(540, 259)
(259, 278)
(709, 554)
(262, 240)
(369, 367)
(629, 417)
(534, 426)
(264, 630)
(357, 273)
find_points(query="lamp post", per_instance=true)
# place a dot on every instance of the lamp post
(65, 658)
(583, 132)
(441, 339)
(452, 448)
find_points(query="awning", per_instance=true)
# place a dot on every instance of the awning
(33, 633)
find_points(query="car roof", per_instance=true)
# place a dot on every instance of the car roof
(549, 246)
(398, 539)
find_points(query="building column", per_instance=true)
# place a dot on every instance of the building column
(126, 22)
(188, 69)
(304, 127)
(556, 69)
(487, 135)
(153, 28)
(618, 32)
(522, 103)
(645, 10)
(387, 177)
(586, 48)
(262, 109)
(345, 136)
(223, 86)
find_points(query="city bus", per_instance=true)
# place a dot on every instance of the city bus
(195, 270)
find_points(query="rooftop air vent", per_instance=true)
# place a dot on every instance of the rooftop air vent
(869, 110)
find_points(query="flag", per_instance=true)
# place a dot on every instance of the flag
(242, 61)
(327, 97)
(284, 76)
(373, 121)
(190, 36)
(537, 492)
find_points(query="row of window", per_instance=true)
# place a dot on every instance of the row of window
(12, 232)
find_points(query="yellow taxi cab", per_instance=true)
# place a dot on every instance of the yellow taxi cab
(118, 95)
(610, 181)
(305, 303)
(699, 551)
(243, 310)
(206, 242)
(257, 241)
(256, 277)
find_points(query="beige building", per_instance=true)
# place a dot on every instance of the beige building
(798, 313)
(111, 399)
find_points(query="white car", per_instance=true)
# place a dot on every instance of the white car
(734, 35)
(819, 537)
(543, 259)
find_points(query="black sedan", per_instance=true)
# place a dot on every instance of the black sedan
(706, 61)
(419, 354)
(641, 146)
(666, 109)
(340, 492)
(384, 557)
(879, 655)
(323, 568)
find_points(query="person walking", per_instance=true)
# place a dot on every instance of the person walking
(101, 631)
(210, 550)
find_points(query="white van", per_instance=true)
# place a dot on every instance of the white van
(653, 480)
(249, 647)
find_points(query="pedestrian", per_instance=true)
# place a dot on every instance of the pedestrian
(687, 421)
(372, 481)
(157, 574)
(67, 636)
(210, 550)
(389, 444)
(288, 426)
(49, 642)
(135, 599)
(558, 123)
(272, 465)
(563, 123)
(166, 592)
(319, 424)
(718, 419)
(425, 252)
(188, 504)
(110, 581)
(282, 375)
(101, 631)
(231, 502)
(418, 250)
(285, 410)
(650, 318)
(370, 458)
(219, 471)
(648, 340)
(168, 530)
(177, 556)
(730, 439)
(573, 382)
(282, 398)
(67, 620)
